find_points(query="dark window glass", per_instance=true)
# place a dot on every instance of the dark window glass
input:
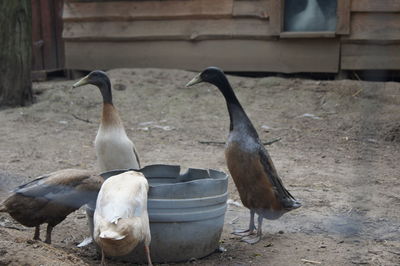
(310, 15)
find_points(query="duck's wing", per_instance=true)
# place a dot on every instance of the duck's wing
(112, 212)
(284, 196)
(71, 187)
(115, 207)
(32, 188)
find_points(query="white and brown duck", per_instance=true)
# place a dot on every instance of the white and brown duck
(114, 149)
(260, 188)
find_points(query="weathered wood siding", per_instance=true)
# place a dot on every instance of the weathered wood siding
(47, 43)
(374, 39)
(238, 35)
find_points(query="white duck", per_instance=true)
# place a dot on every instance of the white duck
(121, 220)
(114, 149)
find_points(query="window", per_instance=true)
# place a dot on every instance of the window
(310, 15)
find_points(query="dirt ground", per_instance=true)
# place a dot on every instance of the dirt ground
(338, 155)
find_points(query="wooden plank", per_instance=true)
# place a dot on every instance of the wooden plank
(134, 10)
(37, 42)
(370, 57)
(375, 6)
(275, 8)
(251, 9)
(374, 26)
(58, 29)
(288, 56)
(49, 41)
(308, 34)
(343, 17)
(167, 30)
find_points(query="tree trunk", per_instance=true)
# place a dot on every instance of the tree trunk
(15, 52)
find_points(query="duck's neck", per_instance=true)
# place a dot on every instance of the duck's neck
(110, 116)
(237, 115)
(105, 89)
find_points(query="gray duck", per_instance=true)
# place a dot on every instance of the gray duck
(51, 198)
(260, 188)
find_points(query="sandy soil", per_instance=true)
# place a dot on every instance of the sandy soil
(338, 155)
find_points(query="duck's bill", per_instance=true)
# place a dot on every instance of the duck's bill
(195, 80)
(81, 82)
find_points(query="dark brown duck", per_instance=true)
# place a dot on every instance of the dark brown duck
(260, 188)
(51, 198)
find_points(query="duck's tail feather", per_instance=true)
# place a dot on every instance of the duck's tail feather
(291, 204)
(111, 235)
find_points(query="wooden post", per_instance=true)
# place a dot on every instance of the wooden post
(343, 15)
(15, 52)
(276, 8)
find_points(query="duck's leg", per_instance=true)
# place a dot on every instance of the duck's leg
(36, 236)
(48, 234)
(147, 251)
(103, 258)
(257, 238)
(250, 231)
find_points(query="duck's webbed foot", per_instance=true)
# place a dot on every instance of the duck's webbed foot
(244, 232)
(257, 238)
(251, 239)
(247, 232)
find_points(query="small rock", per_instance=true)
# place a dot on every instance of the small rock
(281, 232)
(146, 123)
(311, 116)
(221, 249)
(266, 128)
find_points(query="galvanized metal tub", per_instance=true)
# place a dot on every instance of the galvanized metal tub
(186, 212)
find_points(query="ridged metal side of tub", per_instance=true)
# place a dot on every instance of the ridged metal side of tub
(186, 212)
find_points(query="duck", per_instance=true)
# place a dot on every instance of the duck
(114, 149)
(121, 219)
(50, 198)
(260, 188)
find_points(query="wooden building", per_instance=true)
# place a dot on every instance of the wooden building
(237, 35)
(47, 43)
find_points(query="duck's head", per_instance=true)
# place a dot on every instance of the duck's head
(213, 75)
(99, 79)
(96, 77)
